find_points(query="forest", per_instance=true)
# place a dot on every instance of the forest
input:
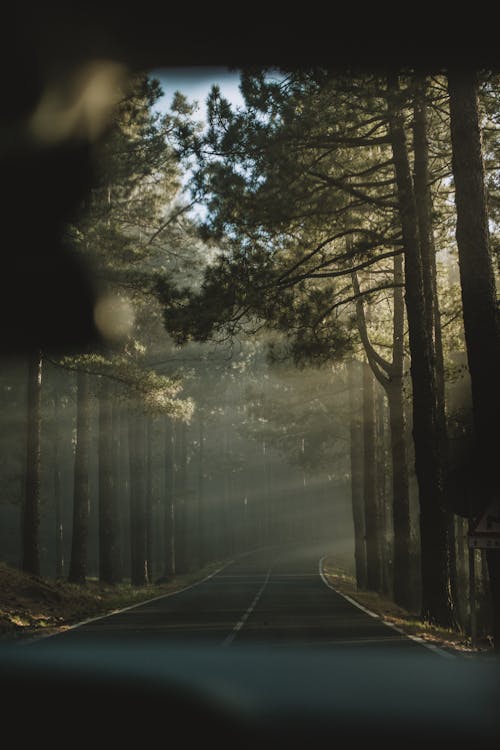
(299, 343)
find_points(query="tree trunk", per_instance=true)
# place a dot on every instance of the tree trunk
(390, 377)
(81, 494)
(149, 495)
(138, 558)
(356, 443)
(168, 506)
(201, 532)
(423, 200)
(107, 519)
(423, 207)
(401, 516)
(385, 541)
(180, 499)
(400, 494)
(31, 510)
(399, 456)
(58, 520)
(433, 521)
(372, 511)
(481, 320)
(118, 494)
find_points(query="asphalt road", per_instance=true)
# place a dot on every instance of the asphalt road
(273, 597)
(262, 654)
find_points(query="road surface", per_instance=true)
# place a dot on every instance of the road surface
(261, 655)
(274, 597)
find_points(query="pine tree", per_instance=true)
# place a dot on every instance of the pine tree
(480, 310)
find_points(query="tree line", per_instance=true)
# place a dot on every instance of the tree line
(107, 466)
(349, 231)
(334, 196)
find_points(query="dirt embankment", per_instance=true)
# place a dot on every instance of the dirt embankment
(30, 605)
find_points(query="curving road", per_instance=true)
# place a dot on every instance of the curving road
(275, 597)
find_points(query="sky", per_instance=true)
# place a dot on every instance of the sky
(195, 83)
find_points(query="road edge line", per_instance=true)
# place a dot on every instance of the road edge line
(80, 624)
(415, 638)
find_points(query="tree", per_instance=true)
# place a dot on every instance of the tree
(390, 377)
(107, 501)
(372, 510)
(58, 500)
(168, 503)
(480, 310)
(138, 540)
(311, 151)
(436, 604)
(81, 500)
(127, 228)
(31, 512)
(356, 456)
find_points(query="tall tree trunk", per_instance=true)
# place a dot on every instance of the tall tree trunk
(226, 497)
(266, 515)
(180, 499)
(372, 511)
(423, 201)
(106, 478)
(356, 449)
(436, 605)
(400, 493)
(423, 207)
(81, 494)
(149, 495)
(384, 540)
(58, 520)
(201, 531)
(119, 487)
(390, 377)
(168, 506)
(31, 510)
(399, 455)
(138, 558)
(480, 312)
(120, 426)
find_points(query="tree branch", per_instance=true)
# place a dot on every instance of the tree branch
(352, 190)
(318, 248)
(342, 272)
(380, 367)
(169, 221)
(353, 298)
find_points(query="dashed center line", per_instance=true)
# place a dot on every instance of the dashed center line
(230, 638)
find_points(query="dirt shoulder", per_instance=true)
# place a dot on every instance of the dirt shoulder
(409, 622)
(32, 606)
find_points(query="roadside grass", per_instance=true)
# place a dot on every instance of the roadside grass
(31, 606)
(454, 641)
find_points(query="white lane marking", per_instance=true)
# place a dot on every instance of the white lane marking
(37, 637)
(230, 638)
(415, 638)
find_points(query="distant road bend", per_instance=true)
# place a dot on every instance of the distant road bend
(275, 597)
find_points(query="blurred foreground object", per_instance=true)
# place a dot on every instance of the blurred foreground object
(54, 87)
(256, 697)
